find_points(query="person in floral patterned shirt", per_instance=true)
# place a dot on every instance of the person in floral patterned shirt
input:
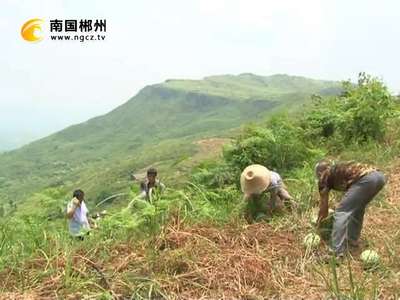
(360, 184)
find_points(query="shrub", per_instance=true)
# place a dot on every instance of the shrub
(359, 115)
(280, 145)
(366, 108)
(321, 121)
(213, 174)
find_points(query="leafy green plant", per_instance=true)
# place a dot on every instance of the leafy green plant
(280, 144)
(213, 174)
(366, 108)
(358, 115)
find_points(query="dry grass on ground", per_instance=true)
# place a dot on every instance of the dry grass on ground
(237, 261)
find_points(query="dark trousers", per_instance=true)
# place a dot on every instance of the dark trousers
(349, 215)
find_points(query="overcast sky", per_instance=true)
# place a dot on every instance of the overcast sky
(48, 85)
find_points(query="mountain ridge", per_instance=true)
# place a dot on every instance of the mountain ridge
(158, 124)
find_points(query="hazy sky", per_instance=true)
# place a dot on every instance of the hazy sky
(48, 85)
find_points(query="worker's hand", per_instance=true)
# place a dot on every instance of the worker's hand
(323, 213)
(246, 197)
(94, 225)
(76, 202)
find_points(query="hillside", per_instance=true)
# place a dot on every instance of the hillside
(248, 86)
(157, 126)
(200, 240)
(207, 261)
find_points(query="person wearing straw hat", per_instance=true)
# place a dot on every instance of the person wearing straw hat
(256, 182)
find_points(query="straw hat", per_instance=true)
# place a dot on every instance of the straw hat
(255, 179)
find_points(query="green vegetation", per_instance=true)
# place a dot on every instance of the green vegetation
(280, 144)
(193, 242)
(252, 87)
(157, 126)
(359, 115)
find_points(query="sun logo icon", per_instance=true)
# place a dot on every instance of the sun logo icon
(32, 31)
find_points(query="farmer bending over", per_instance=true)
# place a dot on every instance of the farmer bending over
(360, 183)
(256, 182)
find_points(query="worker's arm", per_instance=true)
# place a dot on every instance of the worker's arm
(143, 192)
(273, 198)
(71, 209)
(162, 186)
(323, 205)
(91, 221)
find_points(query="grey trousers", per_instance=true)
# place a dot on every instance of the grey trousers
(349, 215)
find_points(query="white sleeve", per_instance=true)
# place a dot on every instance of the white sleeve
(275, 178)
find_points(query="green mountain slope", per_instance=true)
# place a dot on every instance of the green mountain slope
(248, 86)
(157, 126)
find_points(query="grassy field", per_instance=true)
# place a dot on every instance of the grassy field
(193, 242)
(205, 250)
